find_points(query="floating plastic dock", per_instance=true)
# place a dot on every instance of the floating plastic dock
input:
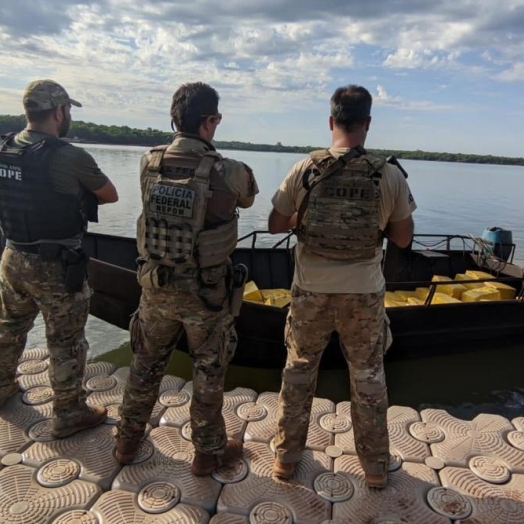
(443, 470)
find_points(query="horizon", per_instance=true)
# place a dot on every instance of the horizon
(71, 136)
(445, 77)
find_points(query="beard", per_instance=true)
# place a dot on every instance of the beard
(64, 128)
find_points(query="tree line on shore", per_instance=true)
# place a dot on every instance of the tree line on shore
(87, 132)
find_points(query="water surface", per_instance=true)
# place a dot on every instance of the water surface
(452, 198)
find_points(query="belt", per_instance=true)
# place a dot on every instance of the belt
(46, 250)
(32, 249)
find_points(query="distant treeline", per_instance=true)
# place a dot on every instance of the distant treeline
(88, 132)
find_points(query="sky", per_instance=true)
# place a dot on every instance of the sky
(445, 75)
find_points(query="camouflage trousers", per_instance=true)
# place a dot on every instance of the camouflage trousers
(29, 284)
(360, 321)
(163, 315)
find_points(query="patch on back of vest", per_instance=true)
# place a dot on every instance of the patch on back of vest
(347, 189)
(172, 200)
(341, 220)
(11, 172)
(178, 172)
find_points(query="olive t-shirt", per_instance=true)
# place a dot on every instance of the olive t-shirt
(323, 275)
(71, 168)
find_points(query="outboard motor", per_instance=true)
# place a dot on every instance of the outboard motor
(501, 240)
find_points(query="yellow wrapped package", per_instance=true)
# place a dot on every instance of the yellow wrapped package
(457, 291)
(391, 296)
(478, 275)
(443, 298)
(269, 297)
(276, 297)
(438, 298)
(421, 293)
(444, 288)
(452, 289)
(506, 292)
(394, 303)
(472, 285)
(481, 293)
(252, 293)
(414, 301)
(404, 295)
(281, 302)
(397, 298)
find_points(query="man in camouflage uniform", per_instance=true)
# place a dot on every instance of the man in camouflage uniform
(45, 184)
(342, 202)
(185, 234)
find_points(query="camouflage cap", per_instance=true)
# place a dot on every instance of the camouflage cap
(41, 95)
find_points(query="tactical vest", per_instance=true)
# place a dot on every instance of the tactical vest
(179, 220)
(339, 216)
(30, 209)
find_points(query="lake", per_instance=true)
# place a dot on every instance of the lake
(452, 198)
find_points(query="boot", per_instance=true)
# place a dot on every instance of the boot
(127, 449)
(88, 418)
(205, 463)
(377, 481)
(283, 470)
(376, 473)
(9, 393)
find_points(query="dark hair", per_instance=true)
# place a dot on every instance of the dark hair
(191, 105)
(350, 107)
(39, 117)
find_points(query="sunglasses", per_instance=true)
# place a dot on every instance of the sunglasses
(217, 117)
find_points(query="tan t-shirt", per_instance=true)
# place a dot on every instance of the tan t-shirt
(71, 169)
(324, 275)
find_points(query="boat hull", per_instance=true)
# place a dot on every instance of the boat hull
(418, 331)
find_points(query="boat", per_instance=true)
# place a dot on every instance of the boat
(418, 330)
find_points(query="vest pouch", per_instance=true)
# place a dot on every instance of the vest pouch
(151, 275)
(212, 288)
(74, 265)
(238, 284)
(212, 276)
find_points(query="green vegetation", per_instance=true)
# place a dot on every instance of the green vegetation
(88, 132)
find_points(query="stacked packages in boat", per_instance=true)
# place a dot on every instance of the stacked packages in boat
(455, 290)
(449, 291)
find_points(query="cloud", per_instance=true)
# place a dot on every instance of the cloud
(26, 17)
(411, 33)
(514, 74)
(124, 58)
(256, 33)
(382, 97)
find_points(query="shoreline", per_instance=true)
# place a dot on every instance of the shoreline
(89, 133)
(456, 158)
